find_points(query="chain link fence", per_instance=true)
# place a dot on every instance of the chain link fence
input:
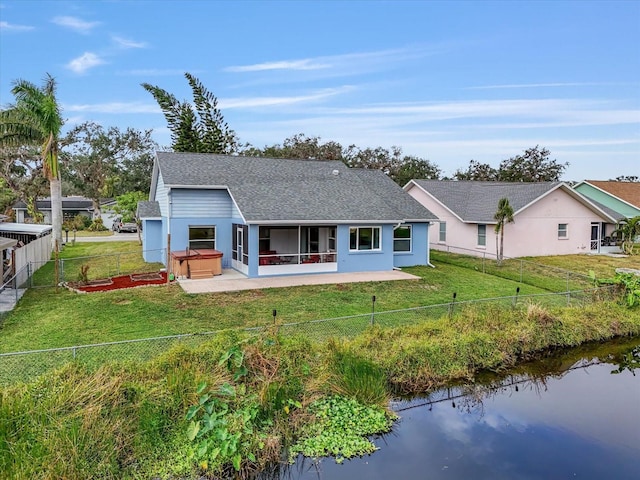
(548, 277)
(23, 366)
(93, 267)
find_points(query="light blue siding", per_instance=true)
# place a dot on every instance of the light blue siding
(162, 197)
(419, 254)
(154, 241)
(201, 203)
(224, 240)
(365, 261)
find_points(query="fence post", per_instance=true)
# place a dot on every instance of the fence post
(515, 299)
(118, 264)
(521, 269)
(483, 257)
(74, 353)
(451, 304)
(61, 261)
(373, 309)
(274, 316)
(568, 281)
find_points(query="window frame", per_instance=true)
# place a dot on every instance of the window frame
(442, 232)
(482, 235)
(194, 240)
(564, 230)
(408, 239)
(358, 245)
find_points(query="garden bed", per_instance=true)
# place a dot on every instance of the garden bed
(117, 283)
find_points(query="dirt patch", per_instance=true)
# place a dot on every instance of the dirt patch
(119, 282)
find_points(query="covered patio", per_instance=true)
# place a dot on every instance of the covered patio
(295, 249)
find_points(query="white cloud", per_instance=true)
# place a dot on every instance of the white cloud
(276, 101)
(307, 64)
(84, 62)
(157, 72)
(114, 108)
(350, 63)
(127, 43)
(10, 27)
(75, 23)
(547, 85)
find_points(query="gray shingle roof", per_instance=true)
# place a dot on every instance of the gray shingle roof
(477, 202)
(68, 203)
(274, 189)
(148, 209)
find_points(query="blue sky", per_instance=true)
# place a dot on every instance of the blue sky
(446, 81)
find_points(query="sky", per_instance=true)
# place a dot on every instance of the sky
(445, 81)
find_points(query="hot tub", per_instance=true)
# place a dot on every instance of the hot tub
(194, 264)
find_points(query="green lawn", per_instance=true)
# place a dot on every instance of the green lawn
(46, 319)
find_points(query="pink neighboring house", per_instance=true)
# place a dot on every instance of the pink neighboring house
(550, 218)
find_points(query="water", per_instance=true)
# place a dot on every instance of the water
(563, 417)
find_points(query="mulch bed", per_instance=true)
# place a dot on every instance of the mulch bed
(120, 282)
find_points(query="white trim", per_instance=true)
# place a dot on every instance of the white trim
(407, 187)
(372, 227)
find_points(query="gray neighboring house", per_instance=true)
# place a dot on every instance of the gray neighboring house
(280, 216)
(71, 206)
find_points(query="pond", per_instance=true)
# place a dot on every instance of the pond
(565, 416)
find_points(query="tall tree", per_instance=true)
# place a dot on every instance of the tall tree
(534, 165)
(36, 118)
(401, 168)
(628, 178)
(411, 168)
(22, 178)
(477, 171)
(298, 146)
(201, 129)
(127, 206)
(503, 215)
(108, 162)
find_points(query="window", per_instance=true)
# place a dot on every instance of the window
(265, 238)
(402, 239)
(443, 232)
(563, 231)
(202, 237)
(332, 239)
(482, 235)
(364, 238)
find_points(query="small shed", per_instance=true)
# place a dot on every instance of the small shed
(24, 232)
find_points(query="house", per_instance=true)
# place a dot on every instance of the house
(622, 197)
(280, 216)
(71, 207)
(550, 218)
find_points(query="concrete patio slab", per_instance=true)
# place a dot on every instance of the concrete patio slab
(231, 281)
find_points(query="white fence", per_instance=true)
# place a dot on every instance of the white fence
(37, 253)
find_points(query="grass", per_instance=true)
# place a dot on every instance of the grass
(105, 260)
(602, 265)
(128, 420)
(46, 319)
(89, 233)
(116, 415)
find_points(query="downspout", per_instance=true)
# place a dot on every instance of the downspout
(429, 264)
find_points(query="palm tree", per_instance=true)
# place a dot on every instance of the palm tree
(628, 230)
(35, 119)
(503, 216)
